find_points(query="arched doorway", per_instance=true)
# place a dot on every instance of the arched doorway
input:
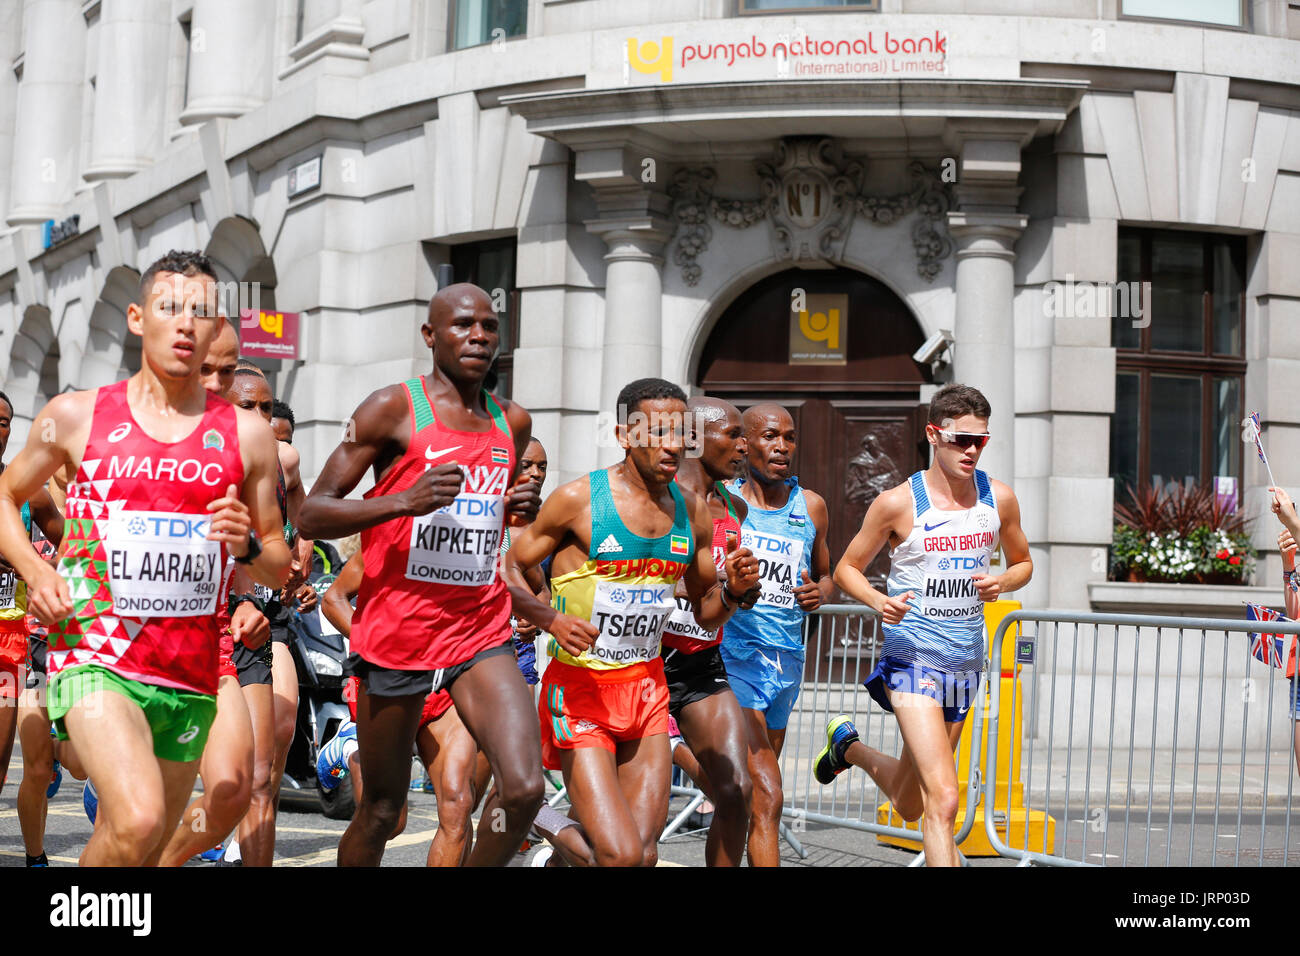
(859, 423)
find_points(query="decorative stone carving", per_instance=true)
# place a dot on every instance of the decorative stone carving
(810, 195)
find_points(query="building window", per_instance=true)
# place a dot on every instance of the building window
(297, 21)
(787, 6)
(1226, 13)
(1180, 365)
(490, 265)
(475, 22)
(185, 78)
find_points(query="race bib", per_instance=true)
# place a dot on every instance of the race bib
(682, 623)
(160, 564)
(948, 597)
(8, 590)
(458, 544)
(779, 562)
(631, 618)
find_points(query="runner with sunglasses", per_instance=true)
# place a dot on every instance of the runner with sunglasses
(943, 526)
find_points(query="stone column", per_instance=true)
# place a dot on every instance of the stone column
(984, 351)
(230, 58)
(47, 127)
(127, 130)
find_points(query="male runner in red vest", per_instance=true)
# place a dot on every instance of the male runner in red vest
(432, 612)
(159, 467)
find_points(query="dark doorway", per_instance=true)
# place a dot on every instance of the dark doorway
(859, 424)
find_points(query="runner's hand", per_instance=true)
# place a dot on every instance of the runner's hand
(809, 594)
(249, 626)
(526, 631)
(894, 608)
(230, 522)
(573, 634)
(307, 599)
(1286, 544)
(48, 597)
(436, 488)
(741, 570)
(988, 586)
(522, 502)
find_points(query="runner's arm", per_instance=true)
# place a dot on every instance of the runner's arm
(377, 435)
(530, 546)
(336, 605)
(294, 495)
(1015, 549)
(877, 525)
(62, 425)
(46, 516)
(522, 500)
(813, 592)
(702, 585)
(256, 505)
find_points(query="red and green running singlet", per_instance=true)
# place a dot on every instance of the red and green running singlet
(431, 596)
(143, 576)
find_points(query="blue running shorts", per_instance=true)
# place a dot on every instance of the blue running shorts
(767, 682)
(954, 692)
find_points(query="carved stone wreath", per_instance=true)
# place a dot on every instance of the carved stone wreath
(808, 167)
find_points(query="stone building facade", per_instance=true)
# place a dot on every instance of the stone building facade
(651, 185)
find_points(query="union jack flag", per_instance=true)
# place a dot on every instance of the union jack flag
(1275, 649)
(1259, 444)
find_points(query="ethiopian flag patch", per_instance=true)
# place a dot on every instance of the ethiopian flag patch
(678, 544)
(500, 456)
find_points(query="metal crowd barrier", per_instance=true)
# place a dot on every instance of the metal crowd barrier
(842, 643)
(1150, 741)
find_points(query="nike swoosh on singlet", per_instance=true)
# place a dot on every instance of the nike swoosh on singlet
(931, 527)
(430, 454)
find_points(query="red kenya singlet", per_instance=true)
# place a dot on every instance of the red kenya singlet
(143, 576)
(682, 632)
(430, 597)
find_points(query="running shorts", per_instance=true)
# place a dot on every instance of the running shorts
(955, 693)
(13, 655)
(693, 677)
(583, 707)
(767, 682)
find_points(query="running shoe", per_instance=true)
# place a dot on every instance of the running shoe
(541, 857)
(332, 764)
(213, 855)
(840, 732)
(90, 800)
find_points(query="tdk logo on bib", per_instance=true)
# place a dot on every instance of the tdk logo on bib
(632, 596)
(466, 507)
(168, 527)
(962, 564)
(774, 545)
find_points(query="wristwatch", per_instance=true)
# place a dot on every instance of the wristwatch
(254, 549)
(1291, 579)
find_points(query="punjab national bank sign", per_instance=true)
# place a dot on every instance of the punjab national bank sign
(827, 52)
(264, 334)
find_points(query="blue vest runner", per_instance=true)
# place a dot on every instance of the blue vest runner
(782, 540)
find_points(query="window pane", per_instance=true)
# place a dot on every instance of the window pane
(803, 4)
(1125, 427)
(1227, 427)
(1175, 436)
(1225, 301)
(1226, 12)
(1128, 270)
(1177, 284)
(477, 20)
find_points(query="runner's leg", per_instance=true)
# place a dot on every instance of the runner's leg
(928, 744)
(116, 746)
(284, 680)
(227, 771)
(644, 767)
(38, 764)
(178, 783)
(257, 829)
(497, 707)
(765, 772)
(450, 756)
(591, 776)
(714, 729)
(386, 728)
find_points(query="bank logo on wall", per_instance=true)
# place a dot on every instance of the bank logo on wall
(819, 331)
(651, 57)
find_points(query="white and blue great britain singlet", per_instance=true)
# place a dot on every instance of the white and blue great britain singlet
(945, 627)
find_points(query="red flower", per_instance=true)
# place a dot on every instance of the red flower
(1235, 560)
(1222, 554)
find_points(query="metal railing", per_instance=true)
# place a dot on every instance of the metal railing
(1121, 713)
(842, 643)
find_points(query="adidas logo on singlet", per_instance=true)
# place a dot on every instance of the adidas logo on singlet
(609, 545)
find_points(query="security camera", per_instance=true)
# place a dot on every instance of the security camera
(934, 347)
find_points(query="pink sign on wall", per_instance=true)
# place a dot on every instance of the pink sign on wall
(272, 335)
